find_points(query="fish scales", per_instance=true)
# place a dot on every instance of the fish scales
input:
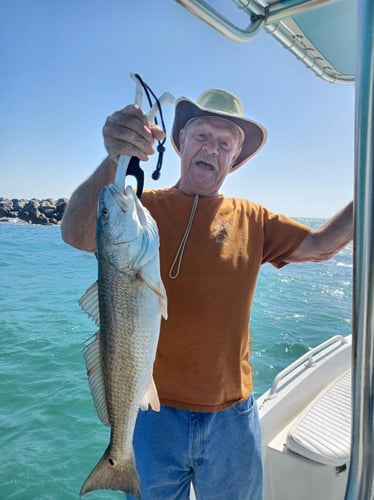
(126, 355)
(131, 299)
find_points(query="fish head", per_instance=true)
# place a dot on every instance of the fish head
(125, 233)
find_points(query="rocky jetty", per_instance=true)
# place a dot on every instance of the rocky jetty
(34, 211)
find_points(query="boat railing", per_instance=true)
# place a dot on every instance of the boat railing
(274, 17)
(307, 360)
(259, 12)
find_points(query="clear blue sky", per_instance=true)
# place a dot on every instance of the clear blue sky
(65, 67)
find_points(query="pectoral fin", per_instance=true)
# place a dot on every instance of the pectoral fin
(150, 398)
(158, 289)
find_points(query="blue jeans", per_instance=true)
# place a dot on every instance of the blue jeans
(220, 453)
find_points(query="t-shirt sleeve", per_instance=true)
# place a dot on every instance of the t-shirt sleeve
(282, 236)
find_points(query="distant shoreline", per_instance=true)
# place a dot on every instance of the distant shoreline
(47, 211)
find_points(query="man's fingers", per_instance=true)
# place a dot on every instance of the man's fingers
(157, 133)
(125, 132)
(128, 132)
(117, 147)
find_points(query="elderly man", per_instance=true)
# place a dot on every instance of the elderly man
(212, 247)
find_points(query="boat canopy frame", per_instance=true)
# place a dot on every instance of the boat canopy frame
(276, 19)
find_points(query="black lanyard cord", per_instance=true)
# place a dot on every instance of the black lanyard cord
(160, 148)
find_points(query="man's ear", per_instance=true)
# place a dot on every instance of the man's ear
(181, 139)
(235, 156)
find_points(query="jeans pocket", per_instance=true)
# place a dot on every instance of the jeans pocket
(244, 407)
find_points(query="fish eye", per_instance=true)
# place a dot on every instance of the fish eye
(105, 213)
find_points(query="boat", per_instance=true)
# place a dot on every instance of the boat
(317, 417)
(306, 425)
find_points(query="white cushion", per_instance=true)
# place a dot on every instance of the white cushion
(323, 430)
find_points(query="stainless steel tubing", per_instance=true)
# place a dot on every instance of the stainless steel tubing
(361, 474)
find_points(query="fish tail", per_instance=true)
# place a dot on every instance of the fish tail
(109, 475)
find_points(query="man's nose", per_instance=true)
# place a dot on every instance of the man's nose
(211, 146)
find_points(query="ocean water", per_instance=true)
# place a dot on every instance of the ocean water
(50, 437)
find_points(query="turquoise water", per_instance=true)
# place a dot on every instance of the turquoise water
(50, 437)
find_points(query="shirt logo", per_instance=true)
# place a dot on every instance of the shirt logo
(221, 229)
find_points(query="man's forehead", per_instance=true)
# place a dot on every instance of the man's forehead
(215, 122)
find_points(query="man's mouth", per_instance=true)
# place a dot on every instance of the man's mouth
(204, 165)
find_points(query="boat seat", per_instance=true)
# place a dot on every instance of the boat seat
(322, 432)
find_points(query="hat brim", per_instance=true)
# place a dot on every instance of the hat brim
(255, 134)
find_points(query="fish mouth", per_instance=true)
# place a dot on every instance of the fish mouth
(128, 201)
(123, 201)
(119, 197)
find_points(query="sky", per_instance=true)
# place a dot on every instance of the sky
(65, 67)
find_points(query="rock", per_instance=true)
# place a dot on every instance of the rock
(34, 211)
(6, 207)
(18, 204)
(4, 212)
(60, 208)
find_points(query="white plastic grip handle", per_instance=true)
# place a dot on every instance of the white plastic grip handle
(124, 160)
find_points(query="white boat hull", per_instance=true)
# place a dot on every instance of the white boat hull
(310, 400)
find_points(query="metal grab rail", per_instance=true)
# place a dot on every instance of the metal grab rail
(307, 360)
(258, 12)
(288, 8)
(311, 59)
(209, 15)
(361, 471)
(269, 18)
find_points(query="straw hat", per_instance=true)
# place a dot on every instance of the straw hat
(222, 104)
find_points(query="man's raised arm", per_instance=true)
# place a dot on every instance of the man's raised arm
(126, 132)
(323, 243)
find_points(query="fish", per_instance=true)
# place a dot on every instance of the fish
(127, 303)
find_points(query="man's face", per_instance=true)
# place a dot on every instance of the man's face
(209, 146)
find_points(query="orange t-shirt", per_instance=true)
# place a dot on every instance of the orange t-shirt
(202, 361)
